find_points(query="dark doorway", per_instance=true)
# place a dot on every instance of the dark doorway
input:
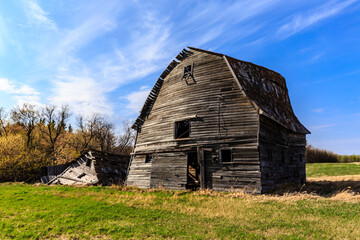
(193, 172)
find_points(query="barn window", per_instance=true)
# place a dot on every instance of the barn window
(148, 158)
(81, 175)
(188, 75)
(226, 155)
(187, 70)
(182, 129)
(88, 162)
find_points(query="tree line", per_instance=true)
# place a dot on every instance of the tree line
(316, 155)
(32, 137)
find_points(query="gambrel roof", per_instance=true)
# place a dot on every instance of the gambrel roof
(265, 88)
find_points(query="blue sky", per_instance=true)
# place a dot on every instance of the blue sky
(104, 56)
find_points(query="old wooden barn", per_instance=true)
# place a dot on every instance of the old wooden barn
(212, 121)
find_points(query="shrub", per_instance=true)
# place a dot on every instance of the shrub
(18, 163)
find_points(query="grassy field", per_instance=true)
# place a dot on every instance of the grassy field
(43, 212)
(332, 169)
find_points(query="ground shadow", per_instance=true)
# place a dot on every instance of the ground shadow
(323, 188)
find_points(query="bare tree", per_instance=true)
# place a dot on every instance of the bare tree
(104, 134)
(95, 132)
(126, 139)
(27, 116)
(3, 121)
(53, 124)
(85, 133)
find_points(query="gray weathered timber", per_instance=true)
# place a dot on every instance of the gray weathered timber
(228, 117)
(93, 167)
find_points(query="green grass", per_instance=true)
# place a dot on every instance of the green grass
(38, 212)
(332, 169)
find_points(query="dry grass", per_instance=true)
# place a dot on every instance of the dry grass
(335, 178)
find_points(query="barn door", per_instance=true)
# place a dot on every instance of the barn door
(193, 171)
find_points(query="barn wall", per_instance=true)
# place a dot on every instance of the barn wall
(221, 117)
(110, 168)
(169, 170)
(243, 172)
(282, 155)
(140, 172)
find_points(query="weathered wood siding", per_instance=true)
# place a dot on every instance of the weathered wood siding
(140, 172)
(221, 117)
(169, 170)
(282, 155)
(243, 172)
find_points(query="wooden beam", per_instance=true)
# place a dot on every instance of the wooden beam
(201, 160)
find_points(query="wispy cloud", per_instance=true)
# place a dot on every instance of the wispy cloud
(136, 99)
(315, 58)
(37, 15)
(300, 22)
(318, 110)
(324, 126)
(141, 43)
(95, 79)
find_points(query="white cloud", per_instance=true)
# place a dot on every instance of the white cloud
(6, 86)
(13, 88)
(32, 99)
(136, 99)
(21, 92)
(300, 22)
(83, 94)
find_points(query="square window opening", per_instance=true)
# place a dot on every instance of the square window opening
(226, 155)
(148, 158)
(82, 175)
(88, 162)
(187, 70)
(182, 129)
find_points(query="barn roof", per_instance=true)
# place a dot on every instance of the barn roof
(265, 88)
